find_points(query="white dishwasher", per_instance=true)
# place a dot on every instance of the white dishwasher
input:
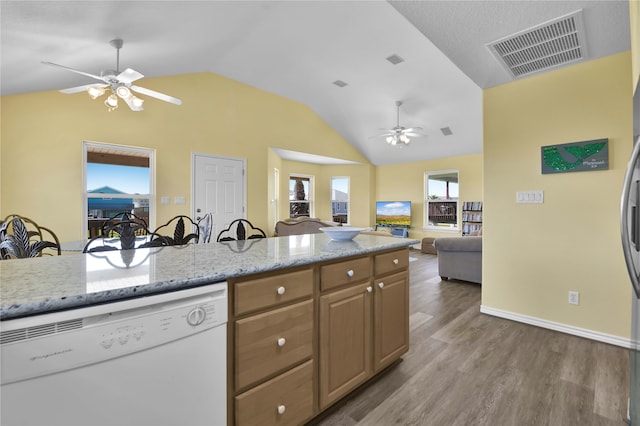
(156, 360)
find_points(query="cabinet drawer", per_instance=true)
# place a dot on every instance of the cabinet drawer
(270, 342)
(271, 291)
(391, 262)
(284, 400)
(349, 271)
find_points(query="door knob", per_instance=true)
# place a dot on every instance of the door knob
(198, 210)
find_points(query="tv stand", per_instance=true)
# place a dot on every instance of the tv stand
(396, 231)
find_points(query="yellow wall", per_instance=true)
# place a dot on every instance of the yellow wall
(42, 134)
(634, 16)
(405, 182)
(533, 254)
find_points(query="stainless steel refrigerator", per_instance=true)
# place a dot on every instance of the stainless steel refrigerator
(630, 230)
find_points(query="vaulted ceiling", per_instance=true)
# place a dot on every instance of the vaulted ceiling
(298, 49)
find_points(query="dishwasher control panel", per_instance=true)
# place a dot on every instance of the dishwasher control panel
(123, 329)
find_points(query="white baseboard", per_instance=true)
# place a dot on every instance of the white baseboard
(563, 328)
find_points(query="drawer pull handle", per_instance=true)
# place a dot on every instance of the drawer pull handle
(281, 409)
(381, 285)
(395, 261)
(369, 289)
(350, 272)
(281, 341)
(281, 290)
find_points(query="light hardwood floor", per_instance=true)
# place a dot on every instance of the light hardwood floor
(468, 368)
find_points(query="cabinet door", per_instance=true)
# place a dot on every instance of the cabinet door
(345, 341)
(391, 312)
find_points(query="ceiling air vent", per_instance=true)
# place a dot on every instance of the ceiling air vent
(395, 59)
(339, 83)
(446, 131)
(550, 45)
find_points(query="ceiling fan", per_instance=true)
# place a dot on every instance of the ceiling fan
(399, 135)
(118, 82)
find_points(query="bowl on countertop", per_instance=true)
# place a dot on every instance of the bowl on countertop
(341, 233)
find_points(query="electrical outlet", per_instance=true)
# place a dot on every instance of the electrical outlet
(574, 298)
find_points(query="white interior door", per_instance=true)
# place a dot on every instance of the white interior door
(219, 187)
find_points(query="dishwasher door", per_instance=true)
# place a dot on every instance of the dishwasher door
(158, 360)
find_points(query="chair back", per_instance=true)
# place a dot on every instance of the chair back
(178, 238)
(240, 229)
(119, 235)
(205, 224)
(126, 216)
(21, 237)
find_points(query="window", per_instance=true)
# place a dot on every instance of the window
(441, 200)
(300, 196)
(117, 179)
(340, 199)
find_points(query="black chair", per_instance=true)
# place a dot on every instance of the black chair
(179, 238)
(21, 237)
(121, 235)
(239, 229)
(126, 216)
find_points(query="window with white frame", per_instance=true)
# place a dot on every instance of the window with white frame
(441, 200)
(340, 199)
(300, 196)
(117, 179)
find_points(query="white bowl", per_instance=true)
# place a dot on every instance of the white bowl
(341, 233)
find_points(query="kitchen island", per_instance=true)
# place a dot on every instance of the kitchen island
(310, 319)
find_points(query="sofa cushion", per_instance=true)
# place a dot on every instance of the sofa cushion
(458, 244)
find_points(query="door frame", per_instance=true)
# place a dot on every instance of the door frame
(222, 157)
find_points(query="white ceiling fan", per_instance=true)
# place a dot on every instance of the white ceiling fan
(399, 135)
(118, 82)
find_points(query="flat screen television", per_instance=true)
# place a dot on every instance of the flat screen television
(393, 213)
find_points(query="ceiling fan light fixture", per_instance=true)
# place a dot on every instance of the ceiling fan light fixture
(111, 102)
(123, 92)
(95, 92)
(137, 102)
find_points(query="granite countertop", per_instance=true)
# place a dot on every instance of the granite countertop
(48, 284)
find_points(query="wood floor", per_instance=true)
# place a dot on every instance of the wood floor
(468, 368)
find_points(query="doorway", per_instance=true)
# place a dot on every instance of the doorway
(218, 187)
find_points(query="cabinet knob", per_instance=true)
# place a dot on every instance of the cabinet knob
(281, 341)
(281, 409)
(281, 290)
(369, 289)
(395, 261)
(381, 285)
(350, 272)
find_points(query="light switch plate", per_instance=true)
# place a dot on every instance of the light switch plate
(164, 200)
(178, 200)
(530, 197)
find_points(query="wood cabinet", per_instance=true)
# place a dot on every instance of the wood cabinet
(302, 339)
(364, 326)
(271, 337)
(345, 341)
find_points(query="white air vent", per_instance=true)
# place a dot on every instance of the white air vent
(339, 83)
(446, 131)
(17, 335)
(550, 45)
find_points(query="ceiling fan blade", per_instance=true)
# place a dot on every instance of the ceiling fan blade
(128, 76)
(411, 129)
(415, 135)
(156, 95)
(78, 89)
(97, 77)
(382, 135)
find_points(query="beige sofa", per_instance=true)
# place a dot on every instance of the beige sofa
(302, 225)
(460, 258)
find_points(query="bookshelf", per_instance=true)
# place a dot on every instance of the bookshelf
(471, 216)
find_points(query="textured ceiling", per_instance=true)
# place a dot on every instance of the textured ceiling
(298, 48)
